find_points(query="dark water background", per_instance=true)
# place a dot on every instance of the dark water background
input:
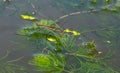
(10, 23)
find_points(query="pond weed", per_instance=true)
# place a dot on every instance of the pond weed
(59, 46)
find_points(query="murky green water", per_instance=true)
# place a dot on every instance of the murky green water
(103, 27)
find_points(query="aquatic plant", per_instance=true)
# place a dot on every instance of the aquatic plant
(60, 52)
(9, 66)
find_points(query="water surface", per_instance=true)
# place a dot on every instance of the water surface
(90, 23)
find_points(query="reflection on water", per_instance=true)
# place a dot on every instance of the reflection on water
(100, 26)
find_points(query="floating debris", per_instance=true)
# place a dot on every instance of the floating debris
(108, 42)
(99, 52)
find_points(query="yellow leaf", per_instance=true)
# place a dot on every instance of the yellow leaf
(75, 33)
(51, 39)
(67, 30)
(28, 17)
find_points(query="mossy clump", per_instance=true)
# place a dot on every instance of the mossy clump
(48, 63)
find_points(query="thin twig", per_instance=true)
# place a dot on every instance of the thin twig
(76, 13)
(50, 27)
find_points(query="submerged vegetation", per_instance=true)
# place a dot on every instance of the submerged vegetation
(88, 4)
(10, 66)
(59, 51)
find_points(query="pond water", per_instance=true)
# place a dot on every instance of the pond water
(103, 27)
